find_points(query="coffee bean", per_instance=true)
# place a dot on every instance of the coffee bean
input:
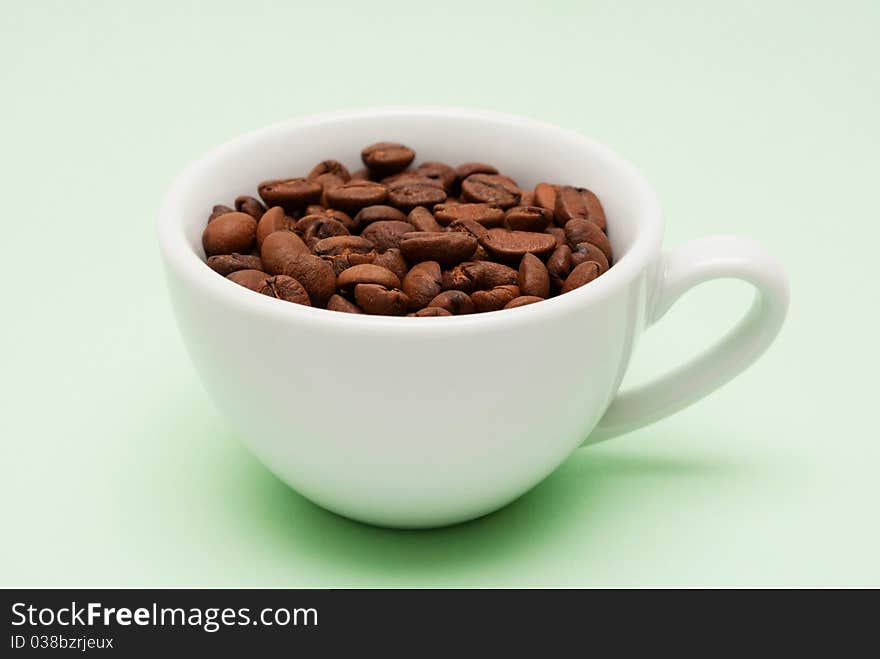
(533, 278)
(273, 220)
(252, 279)
(351, 197)
(558, 233)
(367, 274)
(314, 273)
(494, 299)
(219, 210)
(378, 213)
(281, 248)
(579, 230)
(228, 233)
(226, 264)
(438, 171)
(386, 234)
(332, 168)
(313, 228)
(393, 260)
(422, 219)
(485, 214)
(429, 312)
(522, 301)
(285, 288)
(574, 202)
(251, 206)
(291, 194)
(384, 158)
(457, 303)
(446, 248)
(408, 192)
(509, 246)
(470, 227)
(559, 266)
(422, 283)
(582, 274)
(583, 252)
(493, 189)
(527, 218)
(467, 168)
(545, 196)
(474, 275)
(528, 199)
(339, 303)
(341, 244)
(333, 214)
(378, 300)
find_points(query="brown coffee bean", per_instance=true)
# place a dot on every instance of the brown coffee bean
(422, 283)
(333, 214)
(582, 274)
(408, 192)
(252, 279)
(378, 213)
(467, 168)
(522, 301)
(291, 194)
(559, 265)
(279, 249)
(458, 303)
(446, 248)
(226, 264)
(228, 233)
(332, 168)
(285, 288)
(391, 259)
(579, 230)
(510, 246)
(251, 206)
(545, 196)
(273, 220)
(219, 210)
(366, 274)
(314, 273)
(474, 275)
(574, 202)
(438, 171)
(422, 219)
(528, 199)
(493, 189)
(342, 244)
(583, 252)
(527, 218)
(494, 299)
(558, 233)
(533, 278)
(485, 214)
(377, 300)
(384, 158)
(313, 228)
(429, 312)
(470, 227)
(351, 197)
(386, 234)
(339, 303)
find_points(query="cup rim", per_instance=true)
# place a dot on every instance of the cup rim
(179, 256)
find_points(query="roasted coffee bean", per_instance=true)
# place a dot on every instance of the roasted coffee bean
(545, 196)
(495, 298)
(384, 158)
(467, 168)
(252, 279)
(339, 303)
(346, 260)
(314, 273)
(533, 278)
(333, 214)
(429, 312)
(458, 303)
(583, 252)
(485, 214)
(285, 288)
(291, 194)
(366, 274)
(251, 206)
(574, 202)
(470, 227)
(393, 260)
(378, 300)
(447, 248)
(422, 283)
(281, 248)
(522, 301)
(422, 219)
(476, 275)
(378, 213)
(273, 220)
(386, 234)
(582, 274)
(527, 218)
(330, 168)
(438, 171)
(408, 192)
(558, 233)
(508, 246)
(342, 244)
(579, 230)
(219, 210)
(317, 227)
(226, 264)
(351, 197)
(528, 199)
(493, 189)
(228, 233)
(559, 265)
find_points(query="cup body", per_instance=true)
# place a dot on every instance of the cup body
(411, 422)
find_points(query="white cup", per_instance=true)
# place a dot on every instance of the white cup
(419, 422)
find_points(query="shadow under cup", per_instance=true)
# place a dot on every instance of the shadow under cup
(400, 421)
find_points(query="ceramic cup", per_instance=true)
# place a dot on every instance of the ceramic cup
(419, 422)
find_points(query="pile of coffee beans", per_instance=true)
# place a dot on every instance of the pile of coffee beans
(392, 239)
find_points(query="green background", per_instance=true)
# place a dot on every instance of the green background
(755, 118)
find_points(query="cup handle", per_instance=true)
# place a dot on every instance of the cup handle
(680, 269)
